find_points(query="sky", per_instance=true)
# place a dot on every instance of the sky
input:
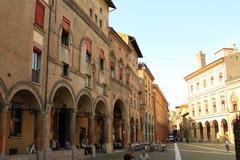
(171, 32)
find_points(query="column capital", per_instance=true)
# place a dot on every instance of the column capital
(74, 110)
(4, 107)
(90, 115)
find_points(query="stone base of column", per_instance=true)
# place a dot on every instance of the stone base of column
(93, 149)
(46, 154)
(108, 147)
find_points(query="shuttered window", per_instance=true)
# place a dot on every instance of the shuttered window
(39, 14)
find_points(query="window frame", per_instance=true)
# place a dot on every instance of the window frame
(65, 69)
(36, 64)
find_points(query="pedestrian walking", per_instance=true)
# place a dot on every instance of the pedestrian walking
(227, 144)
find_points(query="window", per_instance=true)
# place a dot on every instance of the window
(212, 80)
(91, 12)
(101, 11)
(234, 107)
(199, 110)
(65, 69)
(39, 14)
(96, 18)
(36, 61)
(120, 73)
(112, 69)
(204, 83)
(88, 49)
(220, 76)
(65, 32)
(102, 60)
(191, 88)
(16, 121)
(214, 107)
(206, 108)
(127, 78)
(193, 111)
(88, 81)
(100, 23)
(197, 85)
(223, 105)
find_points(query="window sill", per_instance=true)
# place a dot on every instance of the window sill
(64, 46)
(15, 137)
(88, 87)
(66, 77)
(36, 83)
(38, 27)
(101, 71)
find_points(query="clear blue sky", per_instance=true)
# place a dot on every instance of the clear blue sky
(170, 33)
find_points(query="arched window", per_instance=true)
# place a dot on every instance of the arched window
(65, 32)
(101, 60)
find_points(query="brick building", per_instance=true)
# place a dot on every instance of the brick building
(66, 75)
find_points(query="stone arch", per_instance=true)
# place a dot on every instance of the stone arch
(23, 85)
(119, 123)
(194, 129)
(103, 100)
(215, 128)
(62, 84)
(120, 100)
(100, 124)
(85, 116)
(24, 116)
(62, 98)
(200, 126)
(208, 130)
(224, 128)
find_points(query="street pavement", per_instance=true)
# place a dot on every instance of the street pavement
(191, 151)
(118, 155)
(205, 151)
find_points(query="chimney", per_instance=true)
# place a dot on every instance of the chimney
(201, 61)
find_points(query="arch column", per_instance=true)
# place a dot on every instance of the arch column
(73, 128)
(192, 135)
(3, 128)
(198, 134)
(213, 136)
(143, 132)
(46, 127)
(134, 133)
(108, 134)
(124, 132)
(91, 132)
(205, 137)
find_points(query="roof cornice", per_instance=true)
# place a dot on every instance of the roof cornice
(205, 68)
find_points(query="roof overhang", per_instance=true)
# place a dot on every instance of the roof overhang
(110, 4)
(135, 45)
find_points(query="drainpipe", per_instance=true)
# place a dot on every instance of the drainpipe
(44, 113)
